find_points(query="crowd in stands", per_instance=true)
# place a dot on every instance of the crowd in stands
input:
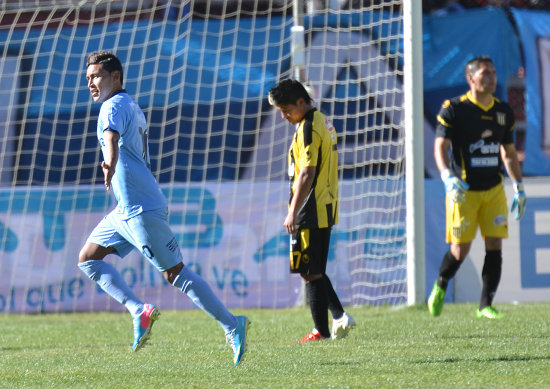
(441, 7)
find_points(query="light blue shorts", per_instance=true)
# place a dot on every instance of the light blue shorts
(149, 232)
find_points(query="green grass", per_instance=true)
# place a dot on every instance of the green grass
(390, 348)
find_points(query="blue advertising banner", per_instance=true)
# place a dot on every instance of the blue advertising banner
(534, 30)
(450, 41)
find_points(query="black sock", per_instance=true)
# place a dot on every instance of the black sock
(334, 304)
(448, 269)
(318, 304)
(492, 269)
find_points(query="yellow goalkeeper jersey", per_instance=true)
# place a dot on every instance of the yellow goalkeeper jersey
(315, 144)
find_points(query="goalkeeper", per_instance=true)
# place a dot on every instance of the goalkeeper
(477, 130)
(140, 219)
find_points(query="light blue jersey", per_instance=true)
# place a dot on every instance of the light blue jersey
(134, 186)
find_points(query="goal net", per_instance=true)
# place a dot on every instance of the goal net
(201, 71)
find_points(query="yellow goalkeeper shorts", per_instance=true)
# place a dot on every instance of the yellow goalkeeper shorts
(484, 208)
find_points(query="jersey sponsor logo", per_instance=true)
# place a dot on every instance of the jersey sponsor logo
(491, 148)
(501, 118)
(484, 161)
(486, 134)
(485, 117)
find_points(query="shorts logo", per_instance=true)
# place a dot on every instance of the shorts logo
(172, 245)
(500, 220)
(147, 252)
(457, 232)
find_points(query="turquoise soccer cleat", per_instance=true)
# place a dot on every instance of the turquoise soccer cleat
(143, 324)
(237, 339)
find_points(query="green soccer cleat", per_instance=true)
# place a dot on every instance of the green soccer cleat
(436, 300)
(489, 313)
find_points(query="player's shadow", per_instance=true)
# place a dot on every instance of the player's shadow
(509, 358)
(341, 363)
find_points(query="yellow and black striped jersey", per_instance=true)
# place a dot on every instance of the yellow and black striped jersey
(315, 144)
(476, 133)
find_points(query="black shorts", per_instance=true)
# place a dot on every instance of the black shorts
(309, 250)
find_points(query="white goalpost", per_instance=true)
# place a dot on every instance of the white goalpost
(201, 71)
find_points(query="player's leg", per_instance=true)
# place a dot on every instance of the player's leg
(494, 227)
(461, 227)
(342, 321)
(308, 257)
(152, 233)
(105, 240)
(449, 266)
(334, 305)
(490, 275)
(202, 295)
(318, 304)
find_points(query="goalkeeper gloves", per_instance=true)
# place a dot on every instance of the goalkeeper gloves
(518, 204)
(454, 186)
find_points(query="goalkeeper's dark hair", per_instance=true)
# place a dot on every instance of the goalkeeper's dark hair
(473, 65)
(109, 61)
(288, 92)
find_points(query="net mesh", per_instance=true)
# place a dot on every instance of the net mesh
(201, 72)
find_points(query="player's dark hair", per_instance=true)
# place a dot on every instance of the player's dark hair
(288, 92)
(109, 61)
(473, 65)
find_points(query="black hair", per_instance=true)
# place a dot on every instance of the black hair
(288, 92)
(108, 60)
(473, 65)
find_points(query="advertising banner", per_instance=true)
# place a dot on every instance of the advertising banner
(235, 242)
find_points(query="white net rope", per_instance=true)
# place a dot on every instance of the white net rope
(201, 72)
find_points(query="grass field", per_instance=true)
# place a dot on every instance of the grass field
(390, 348)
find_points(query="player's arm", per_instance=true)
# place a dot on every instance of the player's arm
(511, 162)
(304, 181)
(454, 186)
(510, 158)
(110, 155)
(441, 153)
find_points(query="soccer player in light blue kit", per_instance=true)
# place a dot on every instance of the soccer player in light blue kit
(140, 219)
